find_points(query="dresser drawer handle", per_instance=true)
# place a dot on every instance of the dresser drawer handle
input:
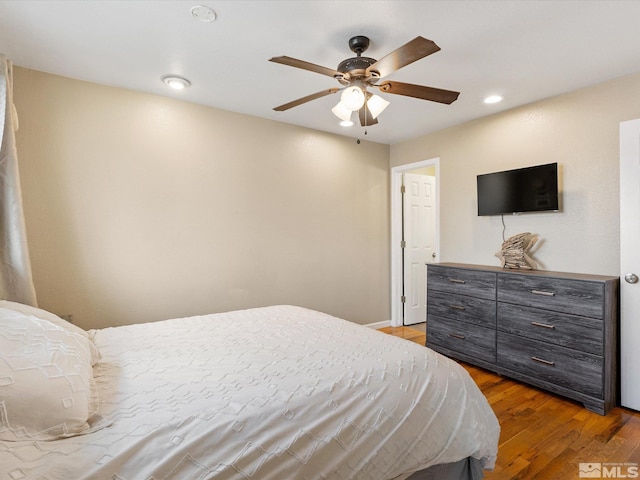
(544, 294)
(540, 360)
(457, 307)
(455, 335)
(543, 325)
(455, 280)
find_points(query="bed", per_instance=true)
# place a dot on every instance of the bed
(270, 393)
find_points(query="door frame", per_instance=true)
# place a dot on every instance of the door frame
(396, 231)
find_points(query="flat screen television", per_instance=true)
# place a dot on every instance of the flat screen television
(531, 189)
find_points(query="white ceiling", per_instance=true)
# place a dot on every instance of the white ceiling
(523, 50)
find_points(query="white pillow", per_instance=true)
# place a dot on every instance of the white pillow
(45, 379)
(53, 318)
(43, 314)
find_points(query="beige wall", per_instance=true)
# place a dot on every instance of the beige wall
(140, 208)
(578, 130)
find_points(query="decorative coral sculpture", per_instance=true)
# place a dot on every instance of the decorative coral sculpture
(515, 252)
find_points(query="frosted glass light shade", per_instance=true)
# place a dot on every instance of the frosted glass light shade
(342, 112)
(376, 105)
(352, 98)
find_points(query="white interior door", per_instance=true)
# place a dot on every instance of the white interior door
(419, 247)
(630, 263)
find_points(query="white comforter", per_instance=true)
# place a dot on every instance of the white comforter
(279, 393)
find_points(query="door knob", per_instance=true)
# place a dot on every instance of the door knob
(631, 278)
(433, 254)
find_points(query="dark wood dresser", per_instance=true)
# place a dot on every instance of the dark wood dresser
(557, 331)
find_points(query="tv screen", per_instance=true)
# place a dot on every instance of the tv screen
(531, 189)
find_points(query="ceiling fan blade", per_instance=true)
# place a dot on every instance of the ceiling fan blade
(366, 119)
(419, 91)
(312, 67)
(306, 99)
(416, 49)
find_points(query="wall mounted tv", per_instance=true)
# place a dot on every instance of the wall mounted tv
(531, 189)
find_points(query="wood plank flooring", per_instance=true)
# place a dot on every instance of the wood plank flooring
(544, 436)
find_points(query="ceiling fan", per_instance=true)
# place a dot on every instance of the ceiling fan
(358, 73)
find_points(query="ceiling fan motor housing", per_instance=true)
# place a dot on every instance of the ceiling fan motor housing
(355, 63)
(356, 67)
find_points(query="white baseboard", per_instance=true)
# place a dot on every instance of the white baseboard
(377, 325)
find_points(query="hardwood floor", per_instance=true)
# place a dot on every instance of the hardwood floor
(544, 436)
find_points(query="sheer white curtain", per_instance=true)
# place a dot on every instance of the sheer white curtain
(16, 282)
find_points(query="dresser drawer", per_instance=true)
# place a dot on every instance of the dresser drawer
(579, 333)
(462, 308)
(577, 297)
(471, 340)
(472, 283)
(569, 368)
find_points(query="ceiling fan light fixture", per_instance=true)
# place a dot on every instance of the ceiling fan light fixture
(358, 74)
(176, 82)
(352, 98)
(342, 112)
(376, 105)
(346, 123)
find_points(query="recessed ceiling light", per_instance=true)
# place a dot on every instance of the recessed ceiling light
(176, 82)
(493, 99)
(346, 123)
(203, 13)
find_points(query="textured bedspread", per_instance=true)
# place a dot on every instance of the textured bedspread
(276, 393)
